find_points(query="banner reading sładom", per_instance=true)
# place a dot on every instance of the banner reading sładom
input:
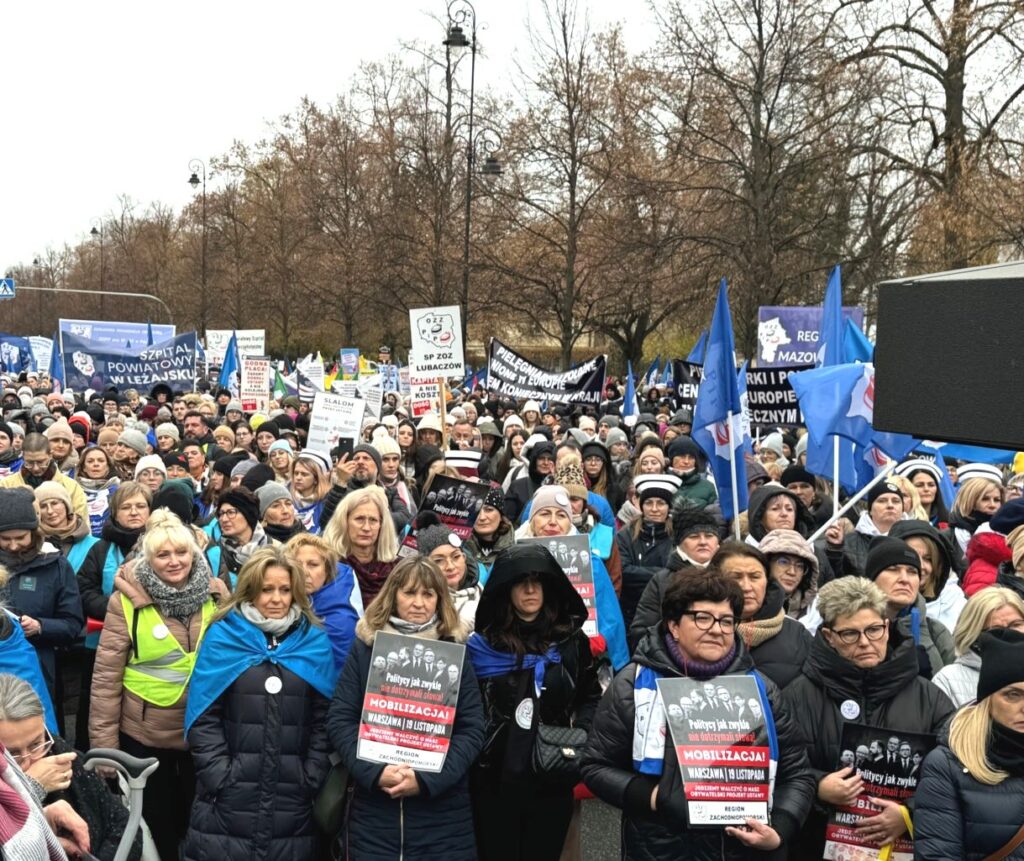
(511, 374)
(333, 417)
(92, 365)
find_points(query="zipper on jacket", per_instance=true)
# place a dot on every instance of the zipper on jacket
(401, 829)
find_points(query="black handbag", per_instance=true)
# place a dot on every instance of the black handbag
(557, 751)
(331, 801)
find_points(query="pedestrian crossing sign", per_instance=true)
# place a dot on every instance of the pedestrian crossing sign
(6, 288)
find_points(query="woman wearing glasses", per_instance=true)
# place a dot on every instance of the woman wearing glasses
(793, 565)
(860, 669)
(241, 534)
(630, 762)
(55, 771)
(444, 548)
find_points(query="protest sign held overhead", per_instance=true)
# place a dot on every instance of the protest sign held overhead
(249, 342)
(790, 335)
(117, 334)
(686, 377)
(572, 553)
(333, 418)
(723, 745)
(889, 764)
(254, 389)
(512, 375)
(455, 501)
(409, 706)
(771, 399)
(92, 365)
(436, 337)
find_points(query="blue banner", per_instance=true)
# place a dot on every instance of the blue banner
(789, 335)
(15, 354)
(95, 365)
(117, 334)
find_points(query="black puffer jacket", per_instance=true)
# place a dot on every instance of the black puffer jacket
(891, 696)
(648, 608)
(608, 772)
(260, 760)
(958, 817)
(641, 558)
(780, 658)
(522, 489)
(437, 823)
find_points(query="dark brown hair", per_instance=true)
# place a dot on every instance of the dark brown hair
(691, 584)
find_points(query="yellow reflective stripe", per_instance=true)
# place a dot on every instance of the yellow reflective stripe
(174, 677)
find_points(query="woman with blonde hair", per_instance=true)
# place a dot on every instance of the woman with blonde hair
(156, 618)
(309, 485)
(255, 718)
(912, 506)
(970, 797)
(397, 811)
(979, 497)
(994, 607)
(362, 533)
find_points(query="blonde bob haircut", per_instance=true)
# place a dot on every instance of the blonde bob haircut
(970, 494)
(336, 533)
(411, 573)
(164, 527)
(910, 492)
(968, 739)
(847, 596)
(306, 539)
(125, 491)
(254, 573)
(977, 610)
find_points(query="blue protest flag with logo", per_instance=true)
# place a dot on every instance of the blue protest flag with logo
(696, 356)
(15, 353)
(651, 377)
(230, 370)
(856, 346)
(719, 412)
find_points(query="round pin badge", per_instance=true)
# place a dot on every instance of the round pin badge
(850, 709)
(273, 684)
(562, 498)
(160, 632)
(524, 714)
(454, 540)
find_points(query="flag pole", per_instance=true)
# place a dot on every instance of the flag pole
(852, 501)
(835, 476)
(732, 478)
(444, 414)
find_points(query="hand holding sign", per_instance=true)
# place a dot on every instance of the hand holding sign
(756, 834)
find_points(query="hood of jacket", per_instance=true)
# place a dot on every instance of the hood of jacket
(988, 547)
(513, 565)
(843, 680)
(543, 447)
(1010, 579)
(652, 652)
(905, 529)
(759, 502)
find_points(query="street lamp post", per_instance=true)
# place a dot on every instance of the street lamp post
(97, 233)
(37, 266)
(197, 167)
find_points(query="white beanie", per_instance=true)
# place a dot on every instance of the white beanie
(150, 461)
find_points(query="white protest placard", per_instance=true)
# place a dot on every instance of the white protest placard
(334, 417)
(254, 389)
(251, 342)
(437, 346)
(366, 389)
(424, 395)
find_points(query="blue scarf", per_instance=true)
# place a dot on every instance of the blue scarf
(19, 658)
(488, 662)
(915, 622)
(233, 645)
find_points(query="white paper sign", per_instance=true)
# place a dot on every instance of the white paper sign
(334, 417)
(437, 346)
(251, 342)
(366, 389)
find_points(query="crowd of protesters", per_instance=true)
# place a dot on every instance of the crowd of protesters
(187, 580)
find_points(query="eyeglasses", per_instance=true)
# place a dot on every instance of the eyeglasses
(851, 636)
(134, 506)
(449, 561)
(706, 621)
(37, 750)
(226, 512)
(792, 562)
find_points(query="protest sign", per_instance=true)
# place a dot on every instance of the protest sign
(42, 352)
(366, 389)
(16, 354)
(333, 418)
(389, 377)
(250, 342)
(721, 739)
(254, 389)
(403, 380)
(424, 395)
(436, 342)
(889, 764)
(788, 335)
(687, 377)
(117, 334)
(572, 553)
(510, 374)
(771, 399)
(93, 365)
(455, 501)
(412, 692)
(350, 363)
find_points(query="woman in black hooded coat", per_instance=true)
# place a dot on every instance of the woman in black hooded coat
(529, 633)
(762, 520)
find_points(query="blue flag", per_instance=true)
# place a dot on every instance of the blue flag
(56, 364)
(630, 407)
(856, 346)
(149, 334)
(667, 379)
(696, 356)
(718, 413)
(15, 353)
(651, 377)
(232, 367)
(830, 351)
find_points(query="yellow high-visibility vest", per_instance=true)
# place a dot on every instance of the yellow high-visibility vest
(158, 669)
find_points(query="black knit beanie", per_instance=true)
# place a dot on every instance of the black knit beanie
(245, 501)
(884, 552)
(1002, 660)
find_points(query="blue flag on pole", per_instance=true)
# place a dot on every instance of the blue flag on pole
(630, 407)
(651, 377)
(856, 346)
(830, 351)
(149, 334)
(57, 364)
(696, 356)
(719, 413)
(231, 368)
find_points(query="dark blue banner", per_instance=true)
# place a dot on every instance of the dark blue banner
(92, 365)
(15, 354)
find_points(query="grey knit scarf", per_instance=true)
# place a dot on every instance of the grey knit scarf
(274, 627)
(176, 603)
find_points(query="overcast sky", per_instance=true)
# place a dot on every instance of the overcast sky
(114, 98)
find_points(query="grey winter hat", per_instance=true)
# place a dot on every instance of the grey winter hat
(270, 493)
(134, 439)
(242, 467)
(17, 509)
(615, 436)
(432, 537)
(234, 406)
(168, 429)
